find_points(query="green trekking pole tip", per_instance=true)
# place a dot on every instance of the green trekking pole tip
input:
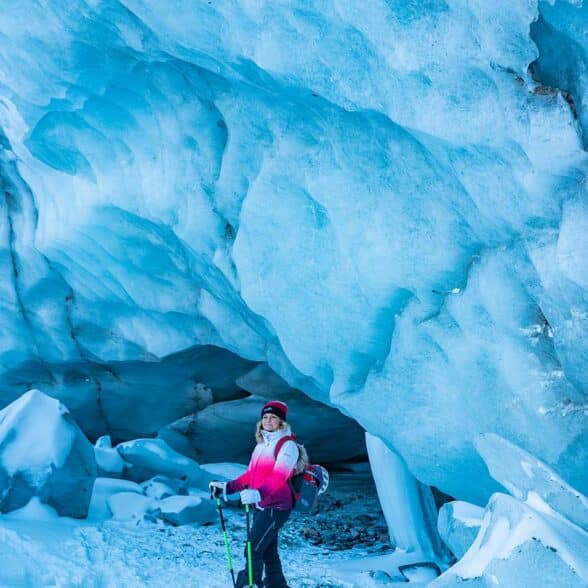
(225, 538)
(249, 556)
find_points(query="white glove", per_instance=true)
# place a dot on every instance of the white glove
(250, 496)
(218, 489)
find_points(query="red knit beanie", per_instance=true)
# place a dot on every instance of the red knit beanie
(276, 407)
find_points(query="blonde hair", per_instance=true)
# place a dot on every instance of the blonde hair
(302, 461)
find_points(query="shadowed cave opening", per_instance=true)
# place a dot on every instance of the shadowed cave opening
(186, 398)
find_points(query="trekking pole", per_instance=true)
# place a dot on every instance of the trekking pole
(226, 538)
(249, 558)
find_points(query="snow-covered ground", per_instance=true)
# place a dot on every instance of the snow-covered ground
(40, 549)
(153, 523)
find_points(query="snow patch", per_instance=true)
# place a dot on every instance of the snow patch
(19, 422)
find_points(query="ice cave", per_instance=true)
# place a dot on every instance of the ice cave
(375, 212)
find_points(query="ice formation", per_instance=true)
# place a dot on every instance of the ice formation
(386, 204)
(182, 510)
(532, 538)
(150, 457)
(408, 506)
(459, 523)
(108, 459)
(44, 455)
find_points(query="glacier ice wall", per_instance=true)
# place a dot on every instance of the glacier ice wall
(382, 202)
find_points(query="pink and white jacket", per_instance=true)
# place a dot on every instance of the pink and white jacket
(269, 475)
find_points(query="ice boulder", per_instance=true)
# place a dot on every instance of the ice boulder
(44, 453)
(150, 457)
(184, 510)
(263, 381)
(536, 537)
(110, 463)
(104, 489)
(162, 487)
(131, 506)
(458, 525)
(520, 548)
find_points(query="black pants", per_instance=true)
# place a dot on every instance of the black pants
(264, 550)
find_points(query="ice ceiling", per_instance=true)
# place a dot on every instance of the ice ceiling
(386, 202)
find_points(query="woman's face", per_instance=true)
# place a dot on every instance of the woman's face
(270, 422)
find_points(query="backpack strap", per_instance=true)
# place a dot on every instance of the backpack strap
(281, 442)
(279, 445)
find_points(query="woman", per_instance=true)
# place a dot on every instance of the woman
(265, 485)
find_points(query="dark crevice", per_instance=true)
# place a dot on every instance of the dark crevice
(229, 232)
(560, 59)
(69, 302)
(13, 207)
(386, 320)
(444, 294)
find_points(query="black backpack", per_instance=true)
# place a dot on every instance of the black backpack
(309, 480)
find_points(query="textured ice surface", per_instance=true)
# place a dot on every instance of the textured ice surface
(135, 398)
(530, 480)
(381, 203)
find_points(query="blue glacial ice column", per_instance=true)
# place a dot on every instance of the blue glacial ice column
(408, 507)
